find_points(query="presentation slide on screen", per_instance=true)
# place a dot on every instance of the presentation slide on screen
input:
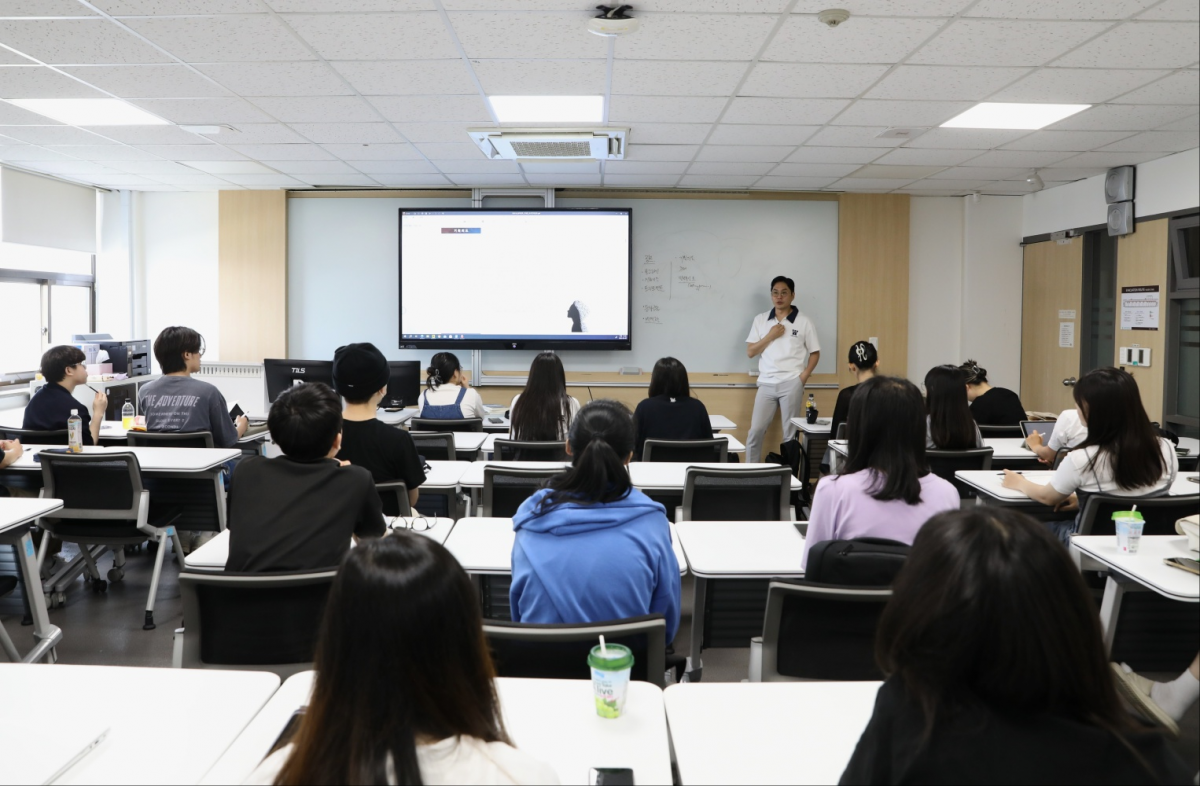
(519, 275)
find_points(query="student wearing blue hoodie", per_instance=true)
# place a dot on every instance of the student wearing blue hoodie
(590, 547)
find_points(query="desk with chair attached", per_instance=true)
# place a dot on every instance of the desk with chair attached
(989, 485)
(16, 514)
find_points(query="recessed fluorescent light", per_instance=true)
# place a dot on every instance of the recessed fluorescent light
(548, 109)
(1017, 116)
(89, 111)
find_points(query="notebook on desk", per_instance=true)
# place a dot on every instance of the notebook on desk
(41, 754)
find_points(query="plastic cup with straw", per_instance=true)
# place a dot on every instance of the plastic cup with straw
(611, 666)
(1128, 525)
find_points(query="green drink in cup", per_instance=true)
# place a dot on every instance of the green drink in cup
(1128, 525)
(611, 666)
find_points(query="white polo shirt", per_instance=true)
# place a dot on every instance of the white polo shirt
(785, 357)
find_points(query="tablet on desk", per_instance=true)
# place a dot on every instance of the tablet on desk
(45, 754)
(1043, 427)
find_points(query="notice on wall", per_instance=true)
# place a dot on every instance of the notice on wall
(1139, 308)
(1066, 335)
(1066, 313)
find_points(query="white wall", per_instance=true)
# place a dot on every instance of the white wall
(934, 283)
(114, 265)
(175, 264)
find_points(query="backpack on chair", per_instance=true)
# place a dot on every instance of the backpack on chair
(858, 562)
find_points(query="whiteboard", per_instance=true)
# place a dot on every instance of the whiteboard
(711, 262)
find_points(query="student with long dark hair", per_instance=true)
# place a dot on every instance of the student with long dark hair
(887, 490)
(448, 395)
(951, 426)
(590, 547)
(864, 364)
(991, 406)
(669, 411)
(404, 689)
(543, 411)
(996, 670)
(1122, 455)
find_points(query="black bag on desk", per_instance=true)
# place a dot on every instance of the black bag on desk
(859, 562)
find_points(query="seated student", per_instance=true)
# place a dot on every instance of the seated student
(669, 411)
(1068, 433)
(298, 511)
(1123, 454)
(590, 547)
(545, 411)
(949, 425)
(991, 406)
(177, 403)
(48, 410)
(864, 364)
(360, 375)
(448, 395)
(10, 451)
(887, 490)
(996, 670)
(404, 691)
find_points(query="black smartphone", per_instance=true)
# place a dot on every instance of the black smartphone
(611, 776)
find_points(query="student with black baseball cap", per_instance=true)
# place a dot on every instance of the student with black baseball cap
(360, 376)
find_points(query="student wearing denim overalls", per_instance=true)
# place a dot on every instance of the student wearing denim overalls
(443, 377)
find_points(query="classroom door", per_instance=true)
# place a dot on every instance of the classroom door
(1050, 309)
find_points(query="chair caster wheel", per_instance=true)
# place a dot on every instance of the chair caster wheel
(115, 574)
(149, 621)
(59, 598)
(99, 585)
(49, 598)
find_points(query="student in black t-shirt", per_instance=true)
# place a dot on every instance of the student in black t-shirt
(670, 412)
(991, 406)
(48, 410)
(864, 363)
(298, 511)
(996, 670)
(360, 375)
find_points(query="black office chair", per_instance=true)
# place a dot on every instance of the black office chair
(7, 585)
(944, 463)
(200, 500)
(700, 451)
(449, 424)
(257, 622)
(560, 651)
(170, 439)
(711, 494)
(1159, 513)
(104, 504)
(996, 432)
(821, 632)
(397, 491)
(518, 450)
(31, 437)
(841, 431)
(434, 445)
(505, 488)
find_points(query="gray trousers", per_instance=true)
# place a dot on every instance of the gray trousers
(789, 397)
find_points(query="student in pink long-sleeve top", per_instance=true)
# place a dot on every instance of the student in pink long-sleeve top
(887, 490)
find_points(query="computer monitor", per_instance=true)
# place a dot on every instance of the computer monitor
(283, 373)
(90, 338)
(117, 396)
(404, 384)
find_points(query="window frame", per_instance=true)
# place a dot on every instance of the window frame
(1179, 278)
(1182, 288)
(45, 280)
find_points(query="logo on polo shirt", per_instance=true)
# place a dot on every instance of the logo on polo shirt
(795, 332)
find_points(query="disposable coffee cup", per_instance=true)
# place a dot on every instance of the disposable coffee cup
(610, 678)
(1129, 525)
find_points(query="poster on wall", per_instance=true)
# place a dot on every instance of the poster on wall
(1139, 308)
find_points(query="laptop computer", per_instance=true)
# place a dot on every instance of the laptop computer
(36, 761)
(1043, 427)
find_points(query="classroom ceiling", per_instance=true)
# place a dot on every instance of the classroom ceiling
(718, 94)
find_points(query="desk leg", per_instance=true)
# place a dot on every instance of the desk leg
(47, 635)
(695, 664)
(1110, 607)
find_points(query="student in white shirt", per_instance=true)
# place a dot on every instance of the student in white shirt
(404, 689)
(787, 343)
(1068, 433)
(546, 411)
(448, 395)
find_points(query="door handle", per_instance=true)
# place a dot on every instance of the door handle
(1069, 382)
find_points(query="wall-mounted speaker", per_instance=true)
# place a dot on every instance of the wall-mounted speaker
(1120, 219)
(1118, 184)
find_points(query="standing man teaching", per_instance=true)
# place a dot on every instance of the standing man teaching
(787, 343)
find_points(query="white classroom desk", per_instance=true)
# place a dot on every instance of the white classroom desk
(552, 720)
(814, 438)
(395, 418)
(167, 725)
(464, 441)
(15, 515)
(161, 461)
(988, 483)
(112, 430)
(212, 556)
(670, 476)
(767, 732)
(495, 421)
(483, 546)
(444, 476)
(735, 550)
(489, 444)
(1007, 452)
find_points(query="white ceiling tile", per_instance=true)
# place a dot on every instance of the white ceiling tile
(407, 77)
(152, 135)
(418, 36)
(76, 41)
(862, 8)
(539, 77)
(980, 173)
(1004, 43)
(452, 151)
(409, 181)
(15, 8)
(671, 6)
(861, 183)
(477, 166)
(193, 152)
(487, 180)
(375, 152)
(907, 173)
(8, 57)
(718, 168)
(317, 179)
(852, 136)
(1181, 10)
(1186, 124)
(156, 169)
(125, 181)
(1072, 141)
(103, 152)
(1182, 87)
(347, 133)
(148, 81)
(661, 152)
(805, 40)
(1139, 45)
(645, 167)
(159, 187)
(811, 80)
(419, 133)
(298, 168)
(785, 111)
(561, 167)
(1071, 173)
(965, 138)
(717, 181)
(564, 180)
(683, 36)
(794, 183)
(376, 168)
(195, 179)
(432, 109)
(203, 111)
(360, 6)
(900, 113)
(84, 167)
(1122, 117)
(264, 181)
(177, 7)
(947, 186)
(647, 109)
(836, 155)
(229, 38)
(669, 133)
(256, 134)
(31, 153)
(673, 78)
(1075, 85)
(639, 181)
(320, 109)
(15, 116)
(1025, 158)
(728, 134)
(41, 82)
(1058, 9)
(230, 167)
(1157, 141)
(305, 78)
(831, 171)
(748, 153)
(304, 152)
(917, 157)
(485, 35)
(944, 83)
(54, 135)
(1013, 187)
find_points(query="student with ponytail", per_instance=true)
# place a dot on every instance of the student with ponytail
(589, 547)
(448, 395)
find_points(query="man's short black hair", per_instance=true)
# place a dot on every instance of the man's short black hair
(784, 279)
(170, 345)
(57, 360)
(305, 421)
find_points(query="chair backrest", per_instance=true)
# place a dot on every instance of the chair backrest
(1001, 431)
(170, 439)
(944, 463)
(434, 445)
(821, 632)
(397, 489)
(438, 424)
(856, 562)
(517, 450)
(504, 488)
(95, 486)
(841, 432)
(711, 494)
(698, 450)
(1159, 513)
(1059, 456)
(259, 622)
(31, 437)
(560, 651)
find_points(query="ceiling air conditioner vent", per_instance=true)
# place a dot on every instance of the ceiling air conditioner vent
(603, 144)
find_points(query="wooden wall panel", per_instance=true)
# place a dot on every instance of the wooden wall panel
(252, 264)
(1143, 259)
(1053, 280)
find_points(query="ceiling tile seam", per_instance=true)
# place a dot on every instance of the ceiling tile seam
(610, 55)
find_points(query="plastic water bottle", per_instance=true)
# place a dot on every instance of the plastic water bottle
(127, 415)
(75, 432)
